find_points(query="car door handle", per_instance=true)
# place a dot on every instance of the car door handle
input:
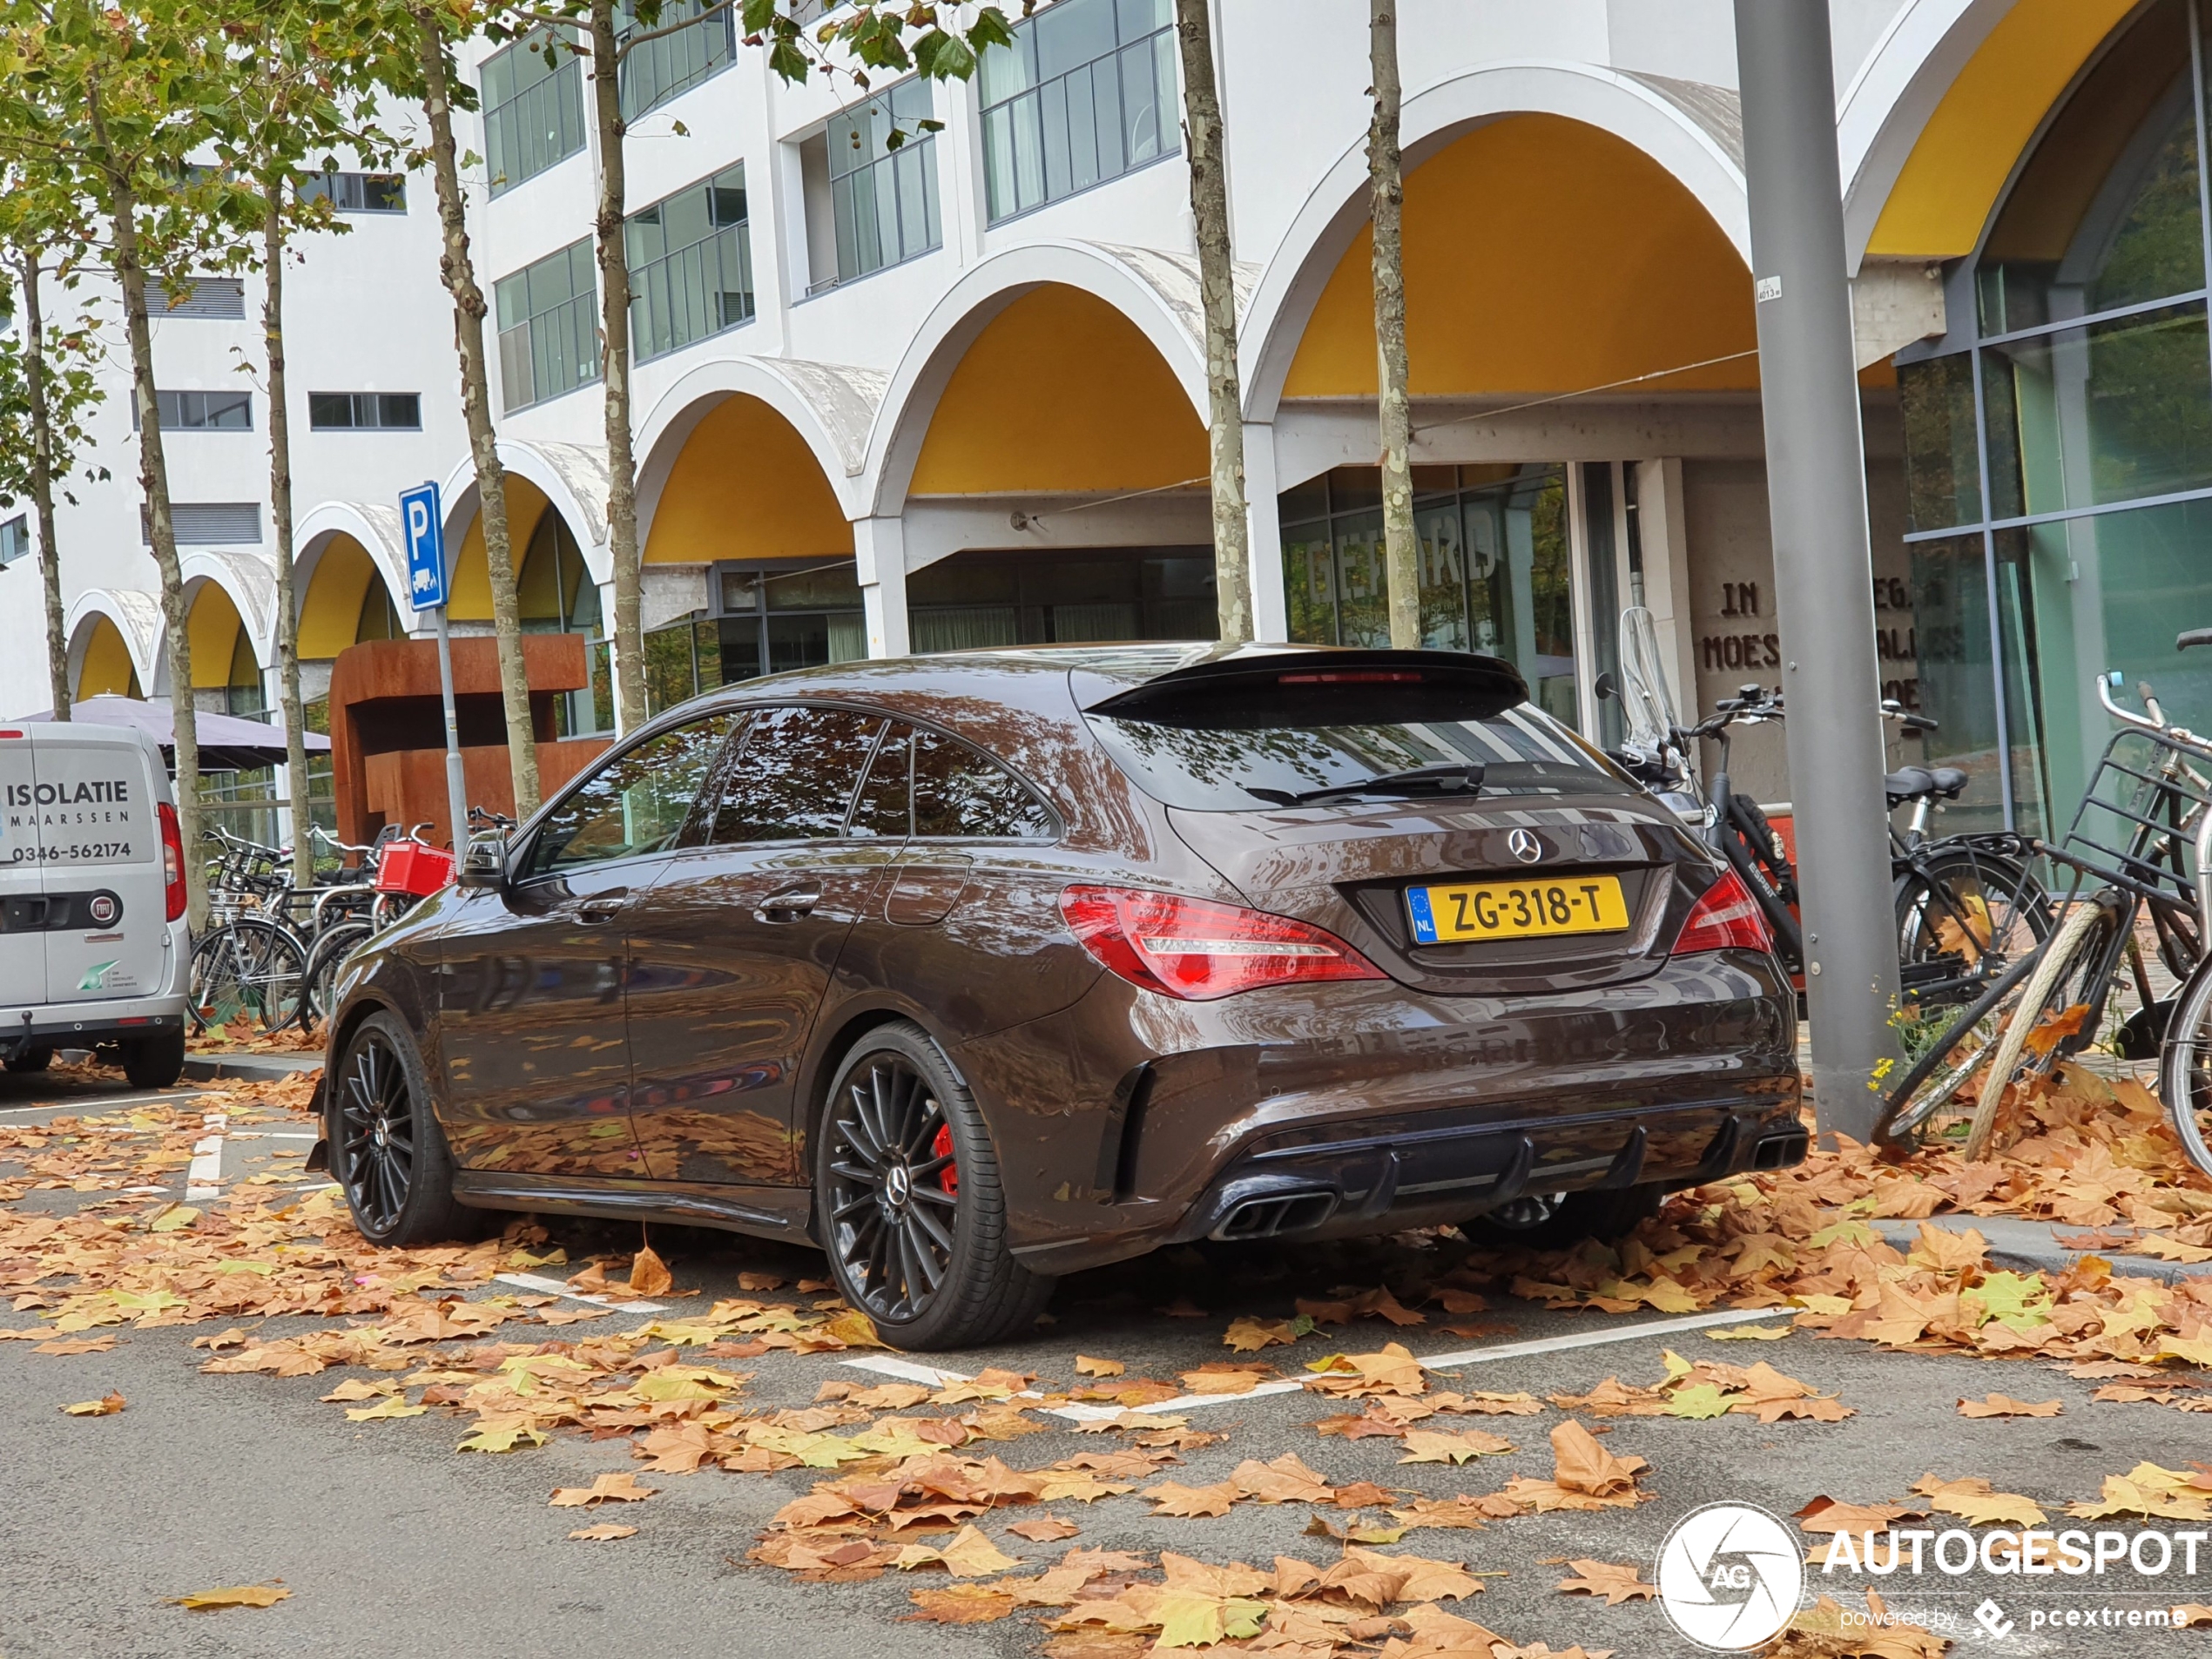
(605, 908)
(789, 904)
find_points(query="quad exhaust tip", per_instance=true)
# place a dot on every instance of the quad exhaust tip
(1282, 1212)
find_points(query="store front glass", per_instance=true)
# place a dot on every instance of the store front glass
(2059, 446)
(1079, 596)
(1495, 561)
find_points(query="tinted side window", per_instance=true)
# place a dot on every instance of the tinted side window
(881, 812)
(635, 803)
(794, 778)
(958, 792)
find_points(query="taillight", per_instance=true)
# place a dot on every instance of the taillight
(1725, 918)
(172, 860)
(1197, 951)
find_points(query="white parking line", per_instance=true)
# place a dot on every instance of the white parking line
(1596, 1338)
(102, 1103)
(206, 1166)
(555, 1287)
(274, 1135)
(936, 1376)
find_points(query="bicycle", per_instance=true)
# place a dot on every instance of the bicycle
(405, 869)
(2050, 1004)
(1965, 905)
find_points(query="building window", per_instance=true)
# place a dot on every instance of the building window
(555, 595)
(357, 193)
(883, 200)
(208, 523)
(766, 618)
(220, 299)
(533, 98)
(659, 69)
(15, 539)
(200, 411)
(690, 266)
(549, 339)
(972, 601)
(2059, 443)
(361, 411)
(1086, 93)
(1494, 559)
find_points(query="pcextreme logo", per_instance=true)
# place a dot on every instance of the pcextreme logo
(1729, 1577)
(95, 977)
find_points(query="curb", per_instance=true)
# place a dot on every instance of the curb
(2032, 1246)
(247, 1068)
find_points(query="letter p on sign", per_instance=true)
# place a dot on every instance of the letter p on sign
(426, 556)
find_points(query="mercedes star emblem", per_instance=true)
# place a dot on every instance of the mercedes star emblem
(1525, 846)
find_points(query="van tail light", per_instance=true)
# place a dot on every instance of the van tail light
(1197, 951)
(1725, 918)
(172, 860)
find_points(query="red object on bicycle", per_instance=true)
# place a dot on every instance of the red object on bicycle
(413, 869)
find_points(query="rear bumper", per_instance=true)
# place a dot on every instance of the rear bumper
(1418, 1172)
(87, 1025)
(1362, 1110)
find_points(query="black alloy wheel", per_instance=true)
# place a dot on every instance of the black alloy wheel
(386, 1149)
(909, 1200)
(894, 1198)
(376, 1130)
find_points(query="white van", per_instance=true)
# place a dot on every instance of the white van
(93, 951)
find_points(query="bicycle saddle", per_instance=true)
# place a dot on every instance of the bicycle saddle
(1912, 782)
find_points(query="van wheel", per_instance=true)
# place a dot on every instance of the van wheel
(909, 1206)
(155, 1062)
(30, 1060)
(387, 1150)
(1605, 1216)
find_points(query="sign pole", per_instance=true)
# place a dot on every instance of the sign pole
(427, 577)
(457, 790)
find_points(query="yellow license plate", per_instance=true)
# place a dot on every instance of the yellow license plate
(1526, 909)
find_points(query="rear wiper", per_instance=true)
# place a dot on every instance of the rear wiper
(1459, 777)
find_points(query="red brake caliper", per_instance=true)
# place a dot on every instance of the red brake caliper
(949, 1177)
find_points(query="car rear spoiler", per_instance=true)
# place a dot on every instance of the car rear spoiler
(1311, 688)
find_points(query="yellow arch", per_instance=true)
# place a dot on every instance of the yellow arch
(1060, 392)
(745, 487)
(105, 668)
(1944, 194)
(330, 614)
(1542, 255)
(213, 628)
(471, 599)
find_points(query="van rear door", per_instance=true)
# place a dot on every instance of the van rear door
(22, 885)
(106, 921)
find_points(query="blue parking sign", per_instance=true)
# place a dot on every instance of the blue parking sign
(423, 525)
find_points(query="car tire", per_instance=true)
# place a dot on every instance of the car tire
(155, 1062)
(908, 1203)
(30, 1060)
(1606, 1214)
(388, 1153)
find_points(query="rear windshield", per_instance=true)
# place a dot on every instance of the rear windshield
(1523, 751)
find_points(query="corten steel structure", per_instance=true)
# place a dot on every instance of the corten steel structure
(388, 729)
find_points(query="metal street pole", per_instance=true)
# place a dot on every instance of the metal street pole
(1823, 574)
(456, 792)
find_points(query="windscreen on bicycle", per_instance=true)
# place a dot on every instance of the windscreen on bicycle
(1645, 697)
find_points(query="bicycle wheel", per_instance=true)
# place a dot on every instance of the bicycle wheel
(326, 961)
(1962, 919)
(2185, 1066)
(2073, 972)
(1951, 1060)
(249, 970)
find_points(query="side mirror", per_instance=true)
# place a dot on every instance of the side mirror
(485, 863)
(1605, 688)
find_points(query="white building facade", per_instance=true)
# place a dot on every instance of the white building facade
(953, 393)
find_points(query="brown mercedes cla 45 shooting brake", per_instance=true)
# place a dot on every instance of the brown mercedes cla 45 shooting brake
(977, 969)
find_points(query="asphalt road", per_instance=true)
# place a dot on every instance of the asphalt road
(393, 1544)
